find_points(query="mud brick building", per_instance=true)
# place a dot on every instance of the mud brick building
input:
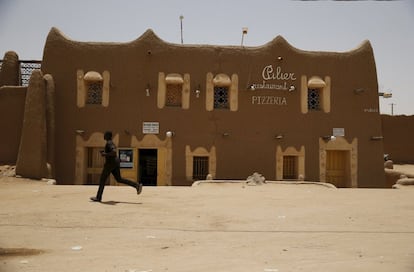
(182, 112)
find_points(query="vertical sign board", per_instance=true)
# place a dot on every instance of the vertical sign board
(150, 127)
(126, 158)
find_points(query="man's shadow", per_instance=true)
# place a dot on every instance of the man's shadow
(113, 203)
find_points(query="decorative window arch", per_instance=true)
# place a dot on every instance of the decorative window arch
(299, 164)
(200, 152)
(222, 92)
(94, 85)
(316, 94)
(173, 90)
(92, 88)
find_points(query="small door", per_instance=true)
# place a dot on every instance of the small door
(147, 172)
(337, 169)
(290, 167)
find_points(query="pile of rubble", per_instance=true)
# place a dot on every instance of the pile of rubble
(8, 170)
(256, 179)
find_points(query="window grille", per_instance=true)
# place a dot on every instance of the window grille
(200, 167)
(26, 69)
(290, 167)
(174, 95)
(221, 97)
(314, 99)
(94, 95)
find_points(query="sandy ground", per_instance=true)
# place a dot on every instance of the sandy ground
(209, 227)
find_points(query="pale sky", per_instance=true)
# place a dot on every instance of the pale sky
(335, 26)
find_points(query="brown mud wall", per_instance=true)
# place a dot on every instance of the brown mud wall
(12, 101)
(398, 133)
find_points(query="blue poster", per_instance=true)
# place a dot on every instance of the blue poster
(126, 158)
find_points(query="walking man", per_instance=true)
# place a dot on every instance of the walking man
(112, 165)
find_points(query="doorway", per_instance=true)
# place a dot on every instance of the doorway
(147, 170)
(337, 168)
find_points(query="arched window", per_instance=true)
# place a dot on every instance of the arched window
(173, 90)
(314, 99)
(221, 97)
(94, 93)
(222, 85)
(221, 92)
(290, 163)
(200, 162)
(93, 88)
(93, 82)
(316, 94)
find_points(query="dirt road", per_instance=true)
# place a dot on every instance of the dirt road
(212, 227)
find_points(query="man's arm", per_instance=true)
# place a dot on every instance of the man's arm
(111, 153)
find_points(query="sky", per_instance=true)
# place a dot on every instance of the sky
(335, 26)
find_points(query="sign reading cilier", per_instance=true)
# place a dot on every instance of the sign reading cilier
(271, 74)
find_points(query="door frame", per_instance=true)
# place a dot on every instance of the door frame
(164, 155)
(139, 170)
(340, 144)
(290, 151)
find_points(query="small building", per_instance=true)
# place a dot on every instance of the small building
(181, 112)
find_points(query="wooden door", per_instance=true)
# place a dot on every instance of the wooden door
(337, 167)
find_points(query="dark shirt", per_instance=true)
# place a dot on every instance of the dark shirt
(110, 147)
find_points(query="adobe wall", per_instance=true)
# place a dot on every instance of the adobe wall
(12, 102)
(10, 70)
(398, 133)
(32, 156)
(249, 145)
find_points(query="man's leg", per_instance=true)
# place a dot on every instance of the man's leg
(106, 171)
(117, 174)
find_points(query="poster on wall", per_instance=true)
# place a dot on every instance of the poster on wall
(126, 158)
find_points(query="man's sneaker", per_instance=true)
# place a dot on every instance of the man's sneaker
(139, 188)
(95, 199)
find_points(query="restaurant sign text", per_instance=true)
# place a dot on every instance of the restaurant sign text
(274, 78)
